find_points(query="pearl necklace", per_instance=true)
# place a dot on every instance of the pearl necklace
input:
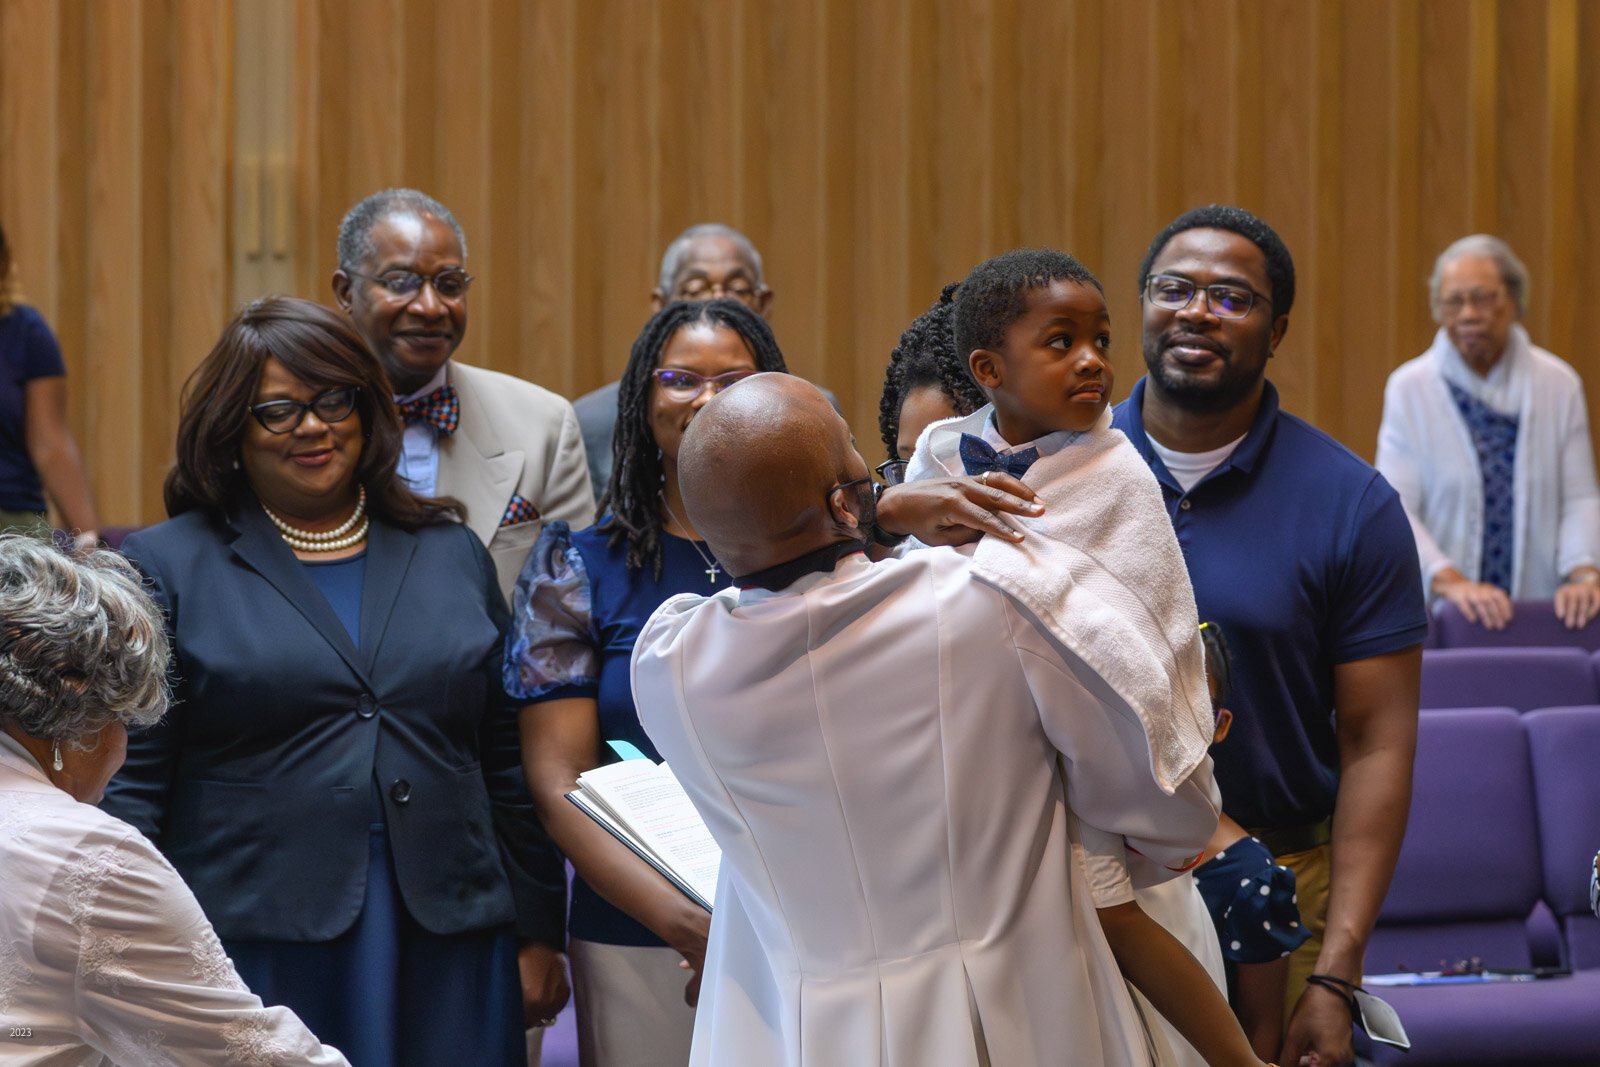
(351, 532)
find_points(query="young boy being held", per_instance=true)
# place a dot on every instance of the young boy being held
(1101, 568)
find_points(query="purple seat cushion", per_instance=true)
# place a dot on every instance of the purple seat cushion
(1533, 623)
(1553, 1020)
(1471, 813)
(1521, 678)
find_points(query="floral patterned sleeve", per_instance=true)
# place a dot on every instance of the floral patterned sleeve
(552, 650)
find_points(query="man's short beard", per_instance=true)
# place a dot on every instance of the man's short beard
(1199, 398)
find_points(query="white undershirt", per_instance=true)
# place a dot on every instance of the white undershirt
(1189, 467)
(419, 446)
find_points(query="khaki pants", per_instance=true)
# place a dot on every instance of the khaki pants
(1311, 873)
(630, 1005)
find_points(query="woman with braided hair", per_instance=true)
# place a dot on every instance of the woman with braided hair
(927, 381)
(579, 605)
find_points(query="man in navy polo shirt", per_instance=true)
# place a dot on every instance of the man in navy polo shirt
(1302, 554)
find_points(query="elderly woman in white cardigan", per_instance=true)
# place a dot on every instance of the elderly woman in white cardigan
(1486, 438)
(104, 955)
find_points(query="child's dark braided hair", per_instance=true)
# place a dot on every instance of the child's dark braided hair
(927, 355)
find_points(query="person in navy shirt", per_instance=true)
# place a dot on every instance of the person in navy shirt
(1302, 553)
(38, 455)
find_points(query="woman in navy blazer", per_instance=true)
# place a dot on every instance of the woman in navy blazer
(339, 780)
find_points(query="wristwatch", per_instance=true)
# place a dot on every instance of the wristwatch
(879, 534)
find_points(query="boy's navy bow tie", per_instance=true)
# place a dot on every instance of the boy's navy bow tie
(979, 457)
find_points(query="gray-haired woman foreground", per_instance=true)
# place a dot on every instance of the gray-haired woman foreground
(104, 954)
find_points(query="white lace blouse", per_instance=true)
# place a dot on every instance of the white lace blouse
(106, 958)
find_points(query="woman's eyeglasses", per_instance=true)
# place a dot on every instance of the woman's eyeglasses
(285, 416)
(683, 385)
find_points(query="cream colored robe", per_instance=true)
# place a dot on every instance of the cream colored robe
(890, 757)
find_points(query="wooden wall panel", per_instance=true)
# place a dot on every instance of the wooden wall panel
(873, 151)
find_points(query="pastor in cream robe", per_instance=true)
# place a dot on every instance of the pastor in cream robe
(892, 757)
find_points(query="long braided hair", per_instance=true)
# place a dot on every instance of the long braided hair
(636, 461)
(927, 355)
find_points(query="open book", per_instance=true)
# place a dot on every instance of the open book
(645, 808)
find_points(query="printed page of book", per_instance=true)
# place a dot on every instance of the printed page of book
(648, 802)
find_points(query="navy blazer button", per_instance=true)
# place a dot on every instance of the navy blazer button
(400, 791)
(366, 707)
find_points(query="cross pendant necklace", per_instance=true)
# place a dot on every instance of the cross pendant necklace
(713, 570)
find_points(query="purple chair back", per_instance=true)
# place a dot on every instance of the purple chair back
(1533, 624)
(1520, 678)
(1564, 744)
(1472, 813)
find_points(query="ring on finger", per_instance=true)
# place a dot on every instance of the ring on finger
(983, 479)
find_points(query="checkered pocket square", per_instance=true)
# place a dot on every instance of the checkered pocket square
(518, 511)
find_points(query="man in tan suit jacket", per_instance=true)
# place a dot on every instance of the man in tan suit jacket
(507, 449)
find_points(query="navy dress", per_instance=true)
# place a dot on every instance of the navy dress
(388, 991)
(576, 616)
(340, 781)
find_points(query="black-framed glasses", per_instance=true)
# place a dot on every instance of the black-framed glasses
(1226, 301)
(893, 471)
(285, 416)
(685, 385)
(827, 500)
(1219, 663)
(451, 283)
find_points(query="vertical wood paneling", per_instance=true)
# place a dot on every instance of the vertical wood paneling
(873, 152)
(1289, 194)
(1522, 163)
(881, 294)
(1560, 112)
(548, 134)
(1408, 314)
(115, 278)
(1130, 214)
(1362, 282)
(30, 55)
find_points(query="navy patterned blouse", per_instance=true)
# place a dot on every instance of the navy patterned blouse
(1494, 435)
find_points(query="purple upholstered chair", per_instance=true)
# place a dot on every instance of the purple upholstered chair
(1468, 878)
(1521, 678)
(1565, 747)
(1533, 624)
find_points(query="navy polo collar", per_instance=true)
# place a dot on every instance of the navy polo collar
(1244, 457)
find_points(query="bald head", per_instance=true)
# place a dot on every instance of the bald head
(760, 468)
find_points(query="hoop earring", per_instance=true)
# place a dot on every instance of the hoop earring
(55, 755)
